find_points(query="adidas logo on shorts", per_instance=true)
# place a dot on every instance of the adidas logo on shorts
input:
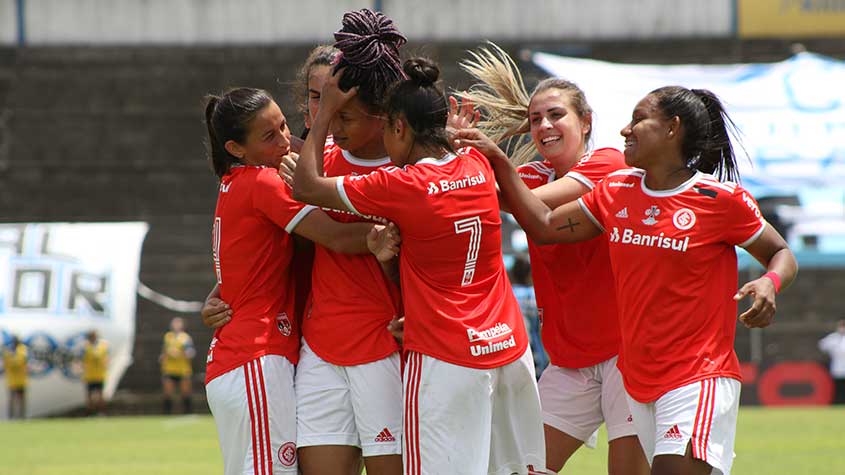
(385, 436)
(673, 433)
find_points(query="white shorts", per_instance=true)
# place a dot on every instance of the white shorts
(701, 414)
(358, 405)
(470, 421)
(577, 401)
(254, 408)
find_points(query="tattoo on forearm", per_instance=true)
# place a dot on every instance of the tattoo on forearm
(570, 226)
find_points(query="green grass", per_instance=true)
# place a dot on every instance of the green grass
(769, 442)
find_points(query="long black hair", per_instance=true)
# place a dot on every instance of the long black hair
(706, 142)
(227, 118)
(369, 44)
(422, 102)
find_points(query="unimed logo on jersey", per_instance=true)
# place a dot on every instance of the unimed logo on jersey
(443, 186)
(751, 204)
(660, 241)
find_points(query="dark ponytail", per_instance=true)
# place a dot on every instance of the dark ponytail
(423, 104)
(369, 43)
(227, 118)
(706, 143)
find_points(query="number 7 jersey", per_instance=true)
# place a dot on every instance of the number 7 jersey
(459, 306)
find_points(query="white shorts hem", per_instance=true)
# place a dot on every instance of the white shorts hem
(375, 450)
(621, 430)
(327, 439)
(584, 435)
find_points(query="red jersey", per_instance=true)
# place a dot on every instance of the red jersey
(252, 254)
(674, 262)
(459, 306)
(573, 283)
(352, 299)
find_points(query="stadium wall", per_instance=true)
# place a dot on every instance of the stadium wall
(204, 22)
(116, 134)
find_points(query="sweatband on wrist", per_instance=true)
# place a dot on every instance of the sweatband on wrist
(775, 278)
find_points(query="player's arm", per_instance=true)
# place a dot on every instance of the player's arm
(770, 250)
(310, 186)
(346, 238)
(189, 350)
(567, 223)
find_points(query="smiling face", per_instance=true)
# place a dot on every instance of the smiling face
(357, 130)
(267, 138)
(556, 129)
(647, 133)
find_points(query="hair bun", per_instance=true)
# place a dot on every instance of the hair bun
(366, 36)
(422, 71)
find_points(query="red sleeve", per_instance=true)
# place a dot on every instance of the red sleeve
(273, 198)
(536, 174)
(375, 194)
(591, 205)
(744, 222)
(593, 167)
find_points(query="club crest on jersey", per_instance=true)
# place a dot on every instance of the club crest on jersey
(683, 219)
(651, 216)
(287, 454)
(284, 324)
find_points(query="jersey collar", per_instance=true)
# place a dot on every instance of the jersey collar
(364, 163)
(674, 191)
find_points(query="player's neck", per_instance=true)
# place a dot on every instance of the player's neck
(418, 152)
(371, 151)
(667, 176)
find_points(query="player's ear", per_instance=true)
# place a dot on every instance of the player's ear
(235, 149)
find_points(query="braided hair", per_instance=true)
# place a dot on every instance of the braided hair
(369, 44)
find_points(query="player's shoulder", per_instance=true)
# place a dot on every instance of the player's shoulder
(709, 186)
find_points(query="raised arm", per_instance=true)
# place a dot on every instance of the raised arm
(567, 223)
(770, 250)
(310, 186)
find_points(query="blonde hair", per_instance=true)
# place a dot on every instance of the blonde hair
(501, 97)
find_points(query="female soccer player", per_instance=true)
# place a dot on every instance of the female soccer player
(348, 381)
(249, 376)
(177, 355)
(471, 401)
(574, 286)
(672, 229)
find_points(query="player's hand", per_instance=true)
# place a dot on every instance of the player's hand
(331, 97)
(384, 241)
(288, 166)
(396, 327)
(215, 313)
(463, 116)
(762, 310)
(476, 139)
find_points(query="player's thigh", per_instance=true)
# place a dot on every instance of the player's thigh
(625, 456)
(517, 441)
(325, 415)
(614, 402)
(447, 417)
(254, 410)
(330, 460)
(376, 395)
(572, 402)
(699, 417)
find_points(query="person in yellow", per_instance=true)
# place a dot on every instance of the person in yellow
(177, 354)
(95, 360)
(14, 361)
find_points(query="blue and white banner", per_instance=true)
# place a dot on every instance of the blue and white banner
(59, 281)
(791, 113)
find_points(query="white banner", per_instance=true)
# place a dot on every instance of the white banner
(792, 113)
(59, 281)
